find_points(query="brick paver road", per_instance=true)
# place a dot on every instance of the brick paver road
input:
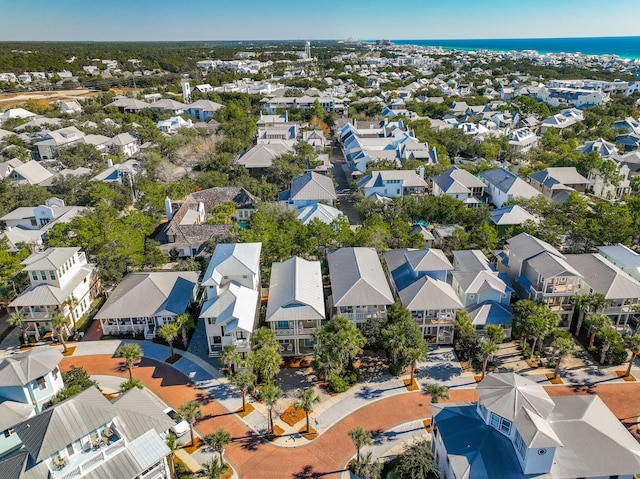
(326, 456)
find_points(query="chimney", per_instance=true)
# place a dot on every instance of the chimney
(109, 162)
(421, 172)
(167, 208)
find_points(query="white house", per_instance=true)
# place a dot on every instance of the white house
(459, 184)
(393, 183)
(166, 294)
(31, 378)
(296, 304)
(516, 430)
(503, 186)
(61, 281)
(232, 293)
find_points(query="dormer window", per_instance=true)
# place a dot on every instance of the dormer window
(521, 447)
(501, 424)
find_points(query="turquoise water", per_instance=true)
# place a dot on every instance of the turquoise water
(625, 47)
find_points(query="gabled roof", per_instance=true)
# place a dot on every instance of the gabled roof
(511, 215)
(129, 104)
(477, 282)
(263, 154)
(509, 183)
(507, 393)
(564, 175)
(51, 258)
(23, 368)
(604, 277)
(319, 211)
(534, 430)
(32, 172)
(408, 179)
(170, 291)
(357, 278)
(428, 259)
(548, 265)
(621, 254)
(525, 246)
(235, 307)
(12, 413)
(206, 105)
(232, 259)
(471, 260)
(312, 186)
(455, 180)
(427, 293)
(295, 291)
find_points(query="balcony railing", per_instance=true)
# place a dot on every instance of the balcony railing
(83, 462)
(295, 332)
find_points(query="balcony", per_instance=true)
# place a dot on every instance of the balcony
(295, 332)
(242, 344)
(90, 458)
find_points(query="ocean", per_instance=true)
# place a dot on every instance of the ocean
(625, 47)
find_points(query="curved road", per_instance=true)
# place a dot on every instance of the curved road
(325, 457)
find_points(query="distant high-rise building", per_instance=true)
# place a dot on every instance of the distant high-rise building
(307, 50)
(186, 91)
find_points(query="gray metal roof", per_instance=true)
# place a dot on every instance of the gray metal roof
(604, 277)
(23, 368)
(232, 259)
(312, 186)
(471, 260)
(163, 291)
(621, 254)
(295, 291)
(476, 282)
(524, 246)
(139, 411)
(427, 293)
(507, 393)
(357, 278)
(549, 265)
(429, 259)
(51, 430)
(235, 306)
(12, 413)
(51, 258)
(511, 215)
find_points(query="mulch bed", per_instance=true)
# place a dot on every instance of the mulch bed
(191, 448)
(325, 387)
(622, 374)
(478, 378)
(70, 351)
(295, 362)
(228, 474)
(248, 410)
(173, 359)
(311, 435)
(411, 385)
(292, 415)
(533, 363)
(554, 381)
(277, 432)
(427, 424)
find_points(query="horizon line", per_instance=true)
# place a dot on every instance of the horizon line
(321, 39)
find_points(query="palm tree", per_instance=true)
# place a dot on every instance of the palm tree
(191, 411)
(495, 333)
(367, 468)
(230, 357)
(16, 319)
(244, 380)
(305, 400)
(173, 445)
(360, 438)
(270, 394)
(587, 303)
(130, 352)
(417, 462)
(487, 349)
(214, 469)
(217, 440)
(438, 392)
(169, 332)
(130, 384)
(596, 323)
(562, 346)
(632, 343)
(72, 302)
(59, 325)
(186, 323)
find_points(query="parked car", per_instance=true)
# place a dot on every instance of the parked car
(181, 426)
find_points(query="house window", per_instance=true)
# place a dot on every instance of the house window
(34, 275)
(55, 372)
(282, 325)
(501, 424)
(521, 447)
(52, 275)
(34, 222)
(42, 384)
(43, 275)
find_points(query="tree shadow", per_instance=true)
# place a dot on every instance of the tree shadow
(307, 472)
(250, 442)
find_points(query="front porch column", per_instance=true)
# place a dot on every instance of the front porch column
(131, 321)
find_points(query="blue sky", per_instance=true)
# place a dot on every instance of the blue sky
(104, 20)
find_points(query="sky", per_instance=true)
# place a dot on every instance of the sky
(146, 20)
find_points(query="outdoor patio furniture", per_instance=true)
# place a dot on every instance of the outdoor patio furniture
(95, 443)
(104, 440)
(108, 432)
(59, 462)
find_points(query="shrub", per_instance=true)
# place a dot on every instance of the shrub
(396, 369)
(337, 384)
(526, 350)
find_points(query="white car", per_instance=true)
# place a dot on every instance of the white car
(181, 426)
